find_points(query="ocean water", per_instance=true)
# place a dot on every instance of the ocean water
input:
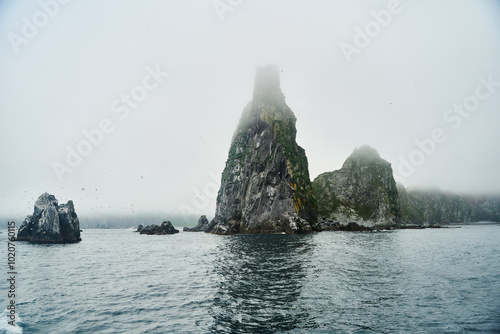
(403, 281)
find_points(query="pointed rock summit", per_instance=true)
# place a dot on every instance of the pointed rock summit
(265, 186)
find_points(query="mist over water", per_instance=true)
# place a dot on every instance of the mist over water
(129, 108)
(117, 281)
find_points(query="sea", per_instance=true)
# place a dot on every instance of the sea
(117, 281)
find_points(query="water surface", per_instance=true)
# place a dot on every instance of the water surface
(117, 281)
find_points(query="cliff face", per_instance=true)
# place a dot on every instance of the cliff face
(50, 222)
(265, 186)
(425, 207)
(363, 191)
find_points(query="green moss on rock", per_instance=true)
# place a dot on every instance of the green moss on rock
(265, 185)
(363, 190)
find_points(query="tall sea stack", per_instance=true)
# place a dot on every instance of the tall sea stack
(265, 186)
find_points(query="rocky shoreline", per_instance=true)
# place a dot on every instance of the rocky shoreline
(330, 225)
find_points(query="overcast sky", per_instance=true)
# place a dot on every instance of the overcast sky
(165, 83)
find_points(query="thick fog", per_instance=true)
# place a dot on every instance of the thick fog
(128, 107)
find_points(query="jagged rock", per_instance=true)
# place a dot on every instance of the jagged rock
(165, 228)
(265, 186)
(353, 227)
(50, 222)
(68, 221)
(327, 224)
(139, 228)
(363, 192)
(202, 225)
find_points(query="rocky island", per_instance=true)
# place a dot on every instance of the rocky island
(362, 192)
(165, 228)
(265, 186)
(363, 195)
(50, 222)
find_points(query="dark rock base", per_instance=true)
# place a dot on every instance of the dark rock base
(165, 228)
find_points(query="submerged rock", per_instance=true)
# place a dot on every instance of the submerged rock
(265, 186)
(363, 192)
(202, 225)
(50, 222)
(165, 228)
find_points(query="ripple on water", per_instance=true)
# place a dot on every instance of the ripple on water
(116, 281)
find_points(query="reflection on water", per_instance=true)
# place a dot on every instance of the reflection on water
(261, 278)
(402, 281)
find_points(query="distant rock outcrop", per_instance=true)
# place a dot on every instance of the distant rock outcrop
(265, 186)
(202, 225)
(50, 222)
(363, 192)
(434, 207)
(139, 228)
(165, 228)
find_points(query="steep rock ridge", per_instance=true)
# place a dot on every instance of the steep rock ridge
(265, 186)
(434, 207)
(50, 222)
(363, 191)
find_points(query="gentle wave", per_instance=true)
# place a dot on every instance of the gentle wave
(5, 327)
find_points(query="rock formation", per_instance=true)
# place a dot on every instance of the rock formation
(165, 228)
(139, 228)
(265, 186)
(363, 194)
(363, 191)
(50, 222)
(202, 225)
(431, 207)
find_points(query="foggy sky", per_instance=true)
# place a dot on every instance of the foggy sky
(165, 83)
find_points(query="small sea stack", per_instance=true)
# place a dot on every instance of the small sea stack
(165, 228)
(50, 222)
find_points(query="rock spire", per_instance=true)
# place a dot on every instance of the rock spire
(265, 186)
